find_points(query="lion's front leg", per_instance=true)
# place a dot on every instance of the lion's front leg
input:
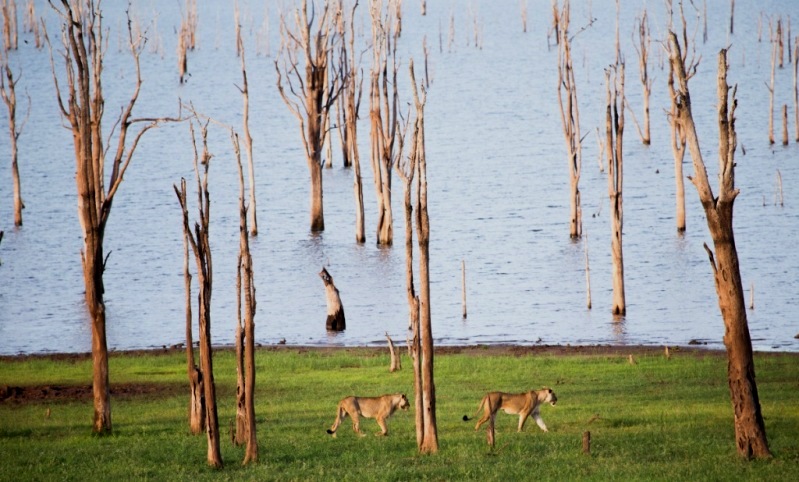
(522, 419)
(539, 420)
(383, 427)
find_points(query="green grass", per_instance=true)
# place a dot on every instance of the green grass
(658, 419)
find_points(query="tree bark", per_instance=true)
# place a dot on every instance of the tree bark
(615, 132)
(9, 95)
(750, 432)
(196, 391)
(430, 439)
(199, 241)
(570, 118)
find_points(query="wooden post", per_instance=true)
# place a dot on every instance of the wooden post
(784, 124)
(587, 442)
(587, 274)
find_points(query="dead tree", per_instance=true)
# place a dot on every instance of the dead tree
(315, 91)
(8, 92)
(196, 395)
(245, 95)
(429, 439)
(615, 132)
(570, 118)
(245, 332)
(10, 30)
(384, 114)
(348, 106)
(200, 246)
(750, 432)
(335, 310)
(771, 85)
(677, 134)
(642, 47)
(83, 57)
(796, 88)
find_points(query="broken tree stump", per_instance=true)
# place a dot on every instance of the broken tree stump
(335, 311)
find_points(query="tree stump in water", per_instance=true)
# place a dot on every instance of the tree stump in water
(335, 311)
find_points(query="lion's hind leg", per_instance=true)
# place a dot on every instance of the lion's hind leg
(487, 413)
(340, 415)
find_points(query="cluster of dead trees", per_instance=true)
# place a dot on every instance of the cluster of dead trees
(749, 427)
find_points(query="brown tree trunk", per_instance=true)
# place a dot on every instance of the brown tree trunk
(9, 96)
(396, 360)
(430, 438)
(245, 95)
(570, 118)
(315, 93)
(196, 394)
(615, 132)
(245, 340)
(199, 241)
(83, 53)
(750, 432)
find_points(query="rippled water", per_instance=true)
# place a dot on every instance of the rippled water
(498, 192)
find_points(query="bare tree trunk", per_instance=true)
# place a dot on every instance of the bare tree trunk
(384, 115)
(245, 94)
(615, 132)
(796, 88)
(642, 47)
(246, 335)
(84, 49)
(316, 91)
(430, 438)
(196, 396)
(335, 310)
(199, 241)
(396, 360)
(10, 30)
(784, 124)
(750, 432)
(771, 86)
(9, 95)
(570, 119)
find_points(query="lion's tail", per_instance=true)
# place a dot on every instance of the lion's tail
(340, 414)
(466, 418)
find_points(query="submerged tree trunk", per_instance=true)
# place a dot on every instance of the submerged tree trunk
(615, 132)
(335, 310)
(750, 431)
(9, 95)
(570, 118)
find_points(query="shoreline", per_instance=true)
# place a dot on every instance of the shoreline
(474, 350)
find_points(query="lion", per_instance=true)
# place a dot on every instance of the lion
(524, 404)
(380, 408)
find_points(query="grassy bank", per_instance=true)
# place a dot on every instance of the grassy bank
(656, 419)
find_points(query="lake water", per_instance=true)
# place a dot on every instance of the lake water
(498, 185)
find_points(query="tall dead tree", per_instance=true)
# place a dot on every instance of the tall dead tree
(84, 48)
(429, 439)
(245, 96)
(348, 106)
(570, 118)
(614, 128)
(677, 134)
(384, 113)
(796, 88)
(315, 90)
(642, 47)
(200, 246)
(8, 85)
(245, 332)
(750, 432)
(770, 86)
(195, 375)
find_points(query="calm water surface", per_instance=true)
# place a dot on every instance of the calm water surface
(498, 186)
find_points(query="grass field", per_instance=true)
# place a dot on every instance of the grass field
(656, 419)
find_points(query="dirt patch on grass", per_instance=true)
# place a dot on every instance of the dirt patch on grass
(68, 393)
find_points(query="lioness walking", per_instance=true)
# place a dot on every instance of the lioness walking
(524, 404)
(380, 408)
